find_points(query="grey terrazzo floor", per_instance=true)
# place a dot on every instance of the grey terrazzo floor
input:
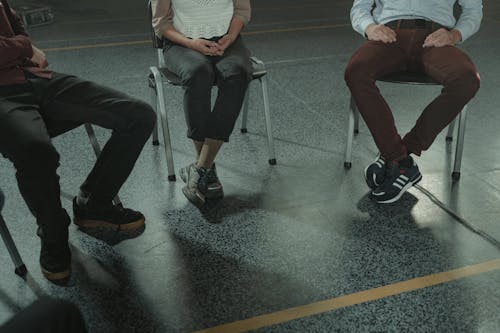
(286, 235)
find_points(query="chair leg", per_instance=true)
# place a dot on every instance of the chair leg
(97, 151)
(154, 102)
(164, 122)
(350, 135)
(451, 128)
(267, 114)
(21, 269)
(244, 115)
(462, 120)
(354, 109)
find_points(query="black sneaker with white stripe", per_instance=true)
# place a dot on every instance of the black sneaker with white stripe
(375, 172)
(399, 177)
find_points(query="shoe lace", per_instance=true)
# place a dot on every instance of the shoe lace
(204, 179)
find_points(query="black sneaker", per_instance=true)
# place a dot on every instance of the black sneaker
(55, 257)
(107, 217)
(398, 179)
(375, 172)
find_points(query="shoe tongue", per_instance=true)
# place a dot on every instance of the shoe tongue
(393, 169)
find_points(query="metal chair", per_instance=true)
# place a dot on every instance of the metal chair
(411, 79)
(160, 75)
(20, 268)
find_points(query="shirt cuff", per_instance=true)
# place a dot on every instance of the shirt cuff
(363, 24)
(464, 32)
(27, 48)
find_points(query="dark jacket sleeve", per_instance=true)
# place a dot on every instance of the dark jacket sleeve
(16, 48)
(17, 24)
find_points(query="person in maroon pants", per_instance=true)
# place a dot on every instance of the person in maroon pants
(415, 36)
(37, 104)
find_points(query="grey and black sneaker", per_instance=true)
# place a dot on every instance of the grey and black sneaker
(214, 186)
(196, 184)
(375, 172)
(399, 177)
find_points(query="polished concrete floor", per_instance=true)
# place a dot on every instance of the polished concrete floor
(288, 235)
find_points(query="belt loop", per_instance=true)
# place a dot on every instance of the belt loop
(398, 25)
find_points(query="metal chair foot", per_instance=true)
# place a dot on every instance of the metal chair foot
(347, 165)
(244, 130)
(21, 270)
(455, 175)
(272, 161)
(171, 178)
(156, 143)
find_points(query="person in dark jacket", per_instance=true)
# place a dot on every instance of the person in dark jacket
(37, 104)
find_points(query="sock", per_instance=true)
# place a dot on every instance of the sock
(406, 162)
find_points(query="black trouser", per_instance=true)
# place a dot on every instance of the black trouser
(31, 114)
(231, 73)
(47, 316)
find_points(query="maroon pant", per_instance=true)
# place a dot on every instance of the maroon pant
(448, 66)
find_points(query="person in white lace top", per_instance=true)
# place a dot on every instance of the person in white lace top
(203, 47)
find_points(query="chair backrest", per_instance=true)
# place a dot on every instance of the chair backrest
(157, 42)
(2, 200)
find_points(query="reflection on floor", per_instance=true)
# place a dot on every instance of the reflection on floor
(286, 235)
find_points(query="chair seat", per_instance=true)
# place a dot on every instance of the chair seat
(259, 70)
(409, 78)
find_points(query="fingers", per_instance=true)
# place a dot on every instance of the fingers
(430, 41)
(381, 33)
(390, 34)
(438, 38)
(208, 48)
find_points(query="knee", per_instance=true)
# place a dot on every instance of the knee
(464, 83)
(64, 310)
(54, 305)
(237, 72)
(356, 72)
(198, 74)
(37, 155)
(146, 116)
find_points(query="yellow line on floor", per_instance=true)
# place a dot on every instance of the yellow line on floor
(308, 28)
(137, 42)
(95, 46)
(353, 299)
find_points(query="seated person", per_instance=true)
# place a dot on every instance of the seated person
(416, 36)
(203, 46)
(37, 104)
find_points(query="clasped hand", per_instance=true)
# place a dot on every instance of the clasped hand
(39, 58)
(211, 48)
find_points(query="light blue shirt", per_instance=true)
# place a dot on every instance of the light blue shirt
(439, 11)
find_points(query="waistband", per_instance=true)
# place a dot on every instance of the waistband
(414, 24)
